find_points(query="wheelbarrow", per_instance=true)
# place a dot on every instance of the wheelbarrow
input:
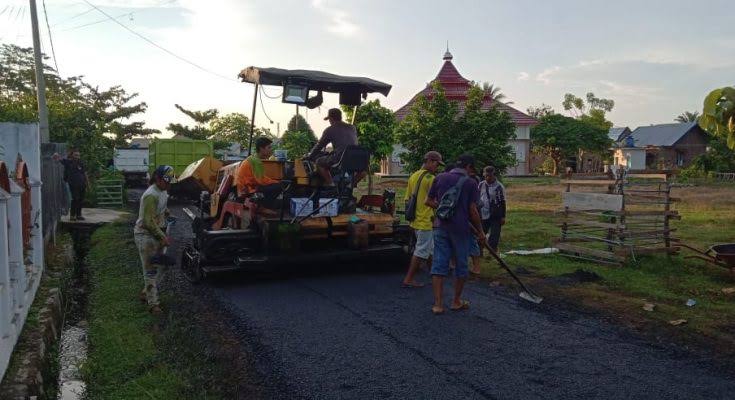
(719, 254)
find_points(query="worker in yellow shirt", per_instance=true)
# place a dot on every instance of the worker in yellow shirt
(250, 177)
(421, 216)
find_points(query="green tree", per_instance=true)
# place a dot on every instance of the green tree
(375, 125)
(560, 137)
(541, 111)
(718, 158)
(80, 114)
(494, 92)
(200, 130)
(298, 123)
(578, 106)
(435, 123)
(234, 128)
(299, 138)
(222, 130)
(687, 116)
(718, 115)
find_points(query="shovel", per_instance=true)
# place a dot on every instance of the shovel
(526, 294)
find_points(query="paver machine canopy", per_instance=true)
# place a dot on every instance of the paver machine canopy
(298, 84)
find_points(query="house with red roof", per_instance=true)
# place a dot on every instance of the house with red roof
(456, 88)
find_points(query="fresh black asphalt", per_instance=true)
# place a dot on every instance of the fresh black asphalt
(351, 332)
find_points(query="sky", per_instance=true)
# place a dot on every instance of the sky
(655, 59)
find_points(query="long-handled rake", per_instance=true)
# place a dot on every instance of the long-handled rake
(526, 294)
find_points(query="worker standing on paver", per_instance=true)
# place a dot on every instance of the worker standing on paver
(421, 216)
(454, 196)
(149, 236)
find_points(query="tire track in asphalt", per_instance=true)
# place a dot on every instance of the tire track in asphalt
(377, 328)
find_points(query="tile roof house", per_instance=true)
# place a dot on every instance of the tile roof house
(456, 88)
(671, 146)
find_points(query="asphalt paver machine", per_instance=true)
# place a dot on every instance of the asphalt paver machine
(313, 223)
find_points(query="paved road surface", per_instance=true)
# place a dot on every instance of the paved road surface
(358, 335)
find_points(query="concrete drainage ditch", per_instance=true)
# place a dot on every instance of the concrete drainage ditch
(73, 344)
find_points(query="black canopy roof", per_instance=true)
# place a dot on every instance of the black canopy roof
(314, 80)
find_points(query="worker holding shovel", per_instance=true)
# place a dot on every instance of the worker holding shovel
(149, 237)
(454, 195)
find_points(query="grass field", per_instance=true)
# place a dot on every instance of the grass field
(708, 217)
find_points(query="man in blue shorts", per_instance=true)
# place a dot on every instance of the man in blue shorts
(453, 236)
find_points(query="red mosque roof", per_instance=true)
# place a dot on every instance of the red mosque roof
(455, 88)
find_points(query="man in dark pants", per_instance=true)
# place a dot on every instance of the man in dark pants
(75, 175)
(492, 200)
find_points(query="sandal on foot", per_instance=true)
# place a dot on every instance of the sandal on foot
(463, 305)
(437, 310)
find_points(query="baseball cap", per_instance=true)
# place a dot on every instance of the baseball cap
(465, 160)
(165, 172)
(434, 156)
(335, 113)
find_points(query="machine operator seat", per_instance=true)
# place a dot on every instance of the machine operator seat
(355, 159)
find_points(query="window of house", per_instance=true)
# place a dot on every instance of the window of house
(680, 158)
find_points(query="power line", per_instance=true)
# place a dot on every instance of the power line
(74, 16)
(159, 46)
(93, 23)
(4, 9)
(50, 39)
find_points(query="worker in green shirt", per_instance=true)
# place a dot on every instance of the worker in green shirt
(149, 236)
(423, 221)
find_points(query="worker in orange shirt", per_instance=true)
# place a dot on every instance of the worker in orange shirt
(251, 178)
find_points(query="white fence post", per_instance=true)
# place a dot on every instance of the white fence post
(15, 244)
(6, 314)
(37, 228)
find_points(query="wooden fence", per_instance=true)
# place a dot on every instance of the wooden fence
(614, 220)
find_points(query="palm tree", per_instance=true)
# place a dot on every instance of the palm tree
(687, 116)
(494, 92)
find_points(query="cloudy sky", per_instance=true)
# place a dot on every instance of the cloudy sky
(654, 58)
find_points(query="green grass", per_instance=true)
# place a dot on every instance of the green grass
(666, 282)
(129, 356)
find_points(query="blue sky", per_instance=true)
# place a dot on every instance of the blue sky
(654, 58)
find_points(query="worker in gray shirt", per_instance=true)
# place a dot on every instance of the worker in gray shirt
(340, 134)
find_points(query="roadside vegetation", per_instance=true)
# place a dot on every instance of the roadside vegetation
(133, 354)
(708, 217)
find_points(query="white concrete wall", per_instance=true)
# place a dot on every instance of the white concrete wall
(630, 157)
(20, 270)
(21, 139)
(521, 149)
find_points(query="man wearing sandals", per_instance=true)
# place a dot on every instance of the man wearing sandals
(453, 235)
(418, 187)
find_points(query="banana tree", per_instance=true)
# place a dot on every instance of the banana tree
(718, 116)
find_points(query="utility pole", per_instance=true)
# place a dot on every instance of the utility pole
(40, 82)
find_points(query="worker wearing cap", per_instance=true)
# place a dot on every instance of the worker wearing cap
(340, 134)
(418, 184)
(454, 234)
(149, 237)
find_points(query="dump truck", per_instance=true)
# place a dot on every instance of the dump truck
(312, 222)
(178, 153)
